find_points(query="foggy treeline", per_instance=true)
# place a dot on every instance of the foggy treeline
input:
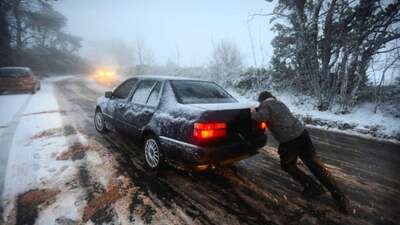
(337, 51)
(31, 34)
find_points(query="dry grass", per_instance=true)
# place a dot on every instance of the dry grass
(74, 152)
(65, 130)
(110, 196)
(29, 202)
(48, 133)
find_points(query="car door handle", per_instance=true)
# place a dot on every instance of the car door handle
(121, 105)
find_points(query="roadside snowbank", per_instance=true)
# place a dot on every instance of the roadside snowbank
(361, 121)
(31, 162)
(9, 106)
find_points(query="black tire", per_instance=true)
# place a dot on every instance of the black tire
(99, 122)
(153, 155)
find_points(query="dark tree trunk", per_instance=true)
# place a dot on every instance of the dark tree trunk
(6, 54)
(18, 30)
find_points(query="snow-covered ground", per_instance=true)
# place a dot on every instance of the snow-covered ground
(92, 84)
(361, 121)
(12, 106)
(50, 165)
(30, 165)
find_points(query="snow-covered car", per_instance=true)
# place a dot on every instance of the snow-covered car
(18, 79)
(189, 122)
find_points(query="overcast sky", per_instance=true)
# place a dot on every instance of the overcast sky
(190, 26)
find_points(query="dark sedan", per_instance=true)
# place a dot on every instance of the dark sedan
(192, 123)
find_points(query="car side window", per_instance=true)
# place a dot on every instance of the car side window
(29, 72)
(122, 92)
(153, 98)
(142, 91)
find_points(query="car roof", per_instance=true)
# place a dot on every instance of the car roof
(15, 68)
(164, 77)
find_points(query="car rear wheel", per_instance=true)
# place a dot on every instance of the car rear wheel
(154, 158)
(99, 122)
(35, 88)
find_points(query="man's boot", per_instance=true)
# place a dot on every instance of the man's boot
(342, 203)
(313, 191)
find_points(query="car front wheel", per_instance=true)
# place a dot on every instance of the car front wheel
(99, 122)
(152, 152)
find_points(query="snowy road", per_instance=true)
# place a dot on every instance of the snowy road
(14, 106)
(95, 179)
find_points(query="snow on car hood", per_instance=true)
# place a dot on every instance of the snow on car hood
(224, 106)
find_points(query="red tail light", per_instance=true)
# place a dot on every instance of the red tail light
(262, 126)
(209, 130)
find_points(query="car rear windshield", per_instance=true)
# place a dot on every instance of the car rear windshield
(198, 92)
(13, 72)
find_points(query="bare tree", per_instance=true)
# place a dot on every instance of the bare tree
(226, 61)
(33, 19)
(144, 55)
(387, 64)
(123, 55)
(178, 55)
(253, 51)
(35, 34)
(6, 53)
(327, 46)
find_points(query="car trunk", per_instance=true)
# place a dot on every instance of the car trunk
(240, 126)
(15, 82)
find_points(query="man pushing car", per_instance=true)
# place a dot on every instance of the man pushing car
(295, 142)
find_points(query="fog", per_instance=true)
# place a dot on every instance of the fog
(183, 32)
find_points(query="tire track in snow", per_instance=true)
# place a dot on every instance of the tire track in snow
(86, 180)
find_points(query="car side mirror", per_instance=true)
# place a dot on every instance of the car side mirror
(108, 94)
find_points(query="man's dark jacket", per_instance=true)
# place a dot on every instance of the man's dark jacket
(281, 122)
